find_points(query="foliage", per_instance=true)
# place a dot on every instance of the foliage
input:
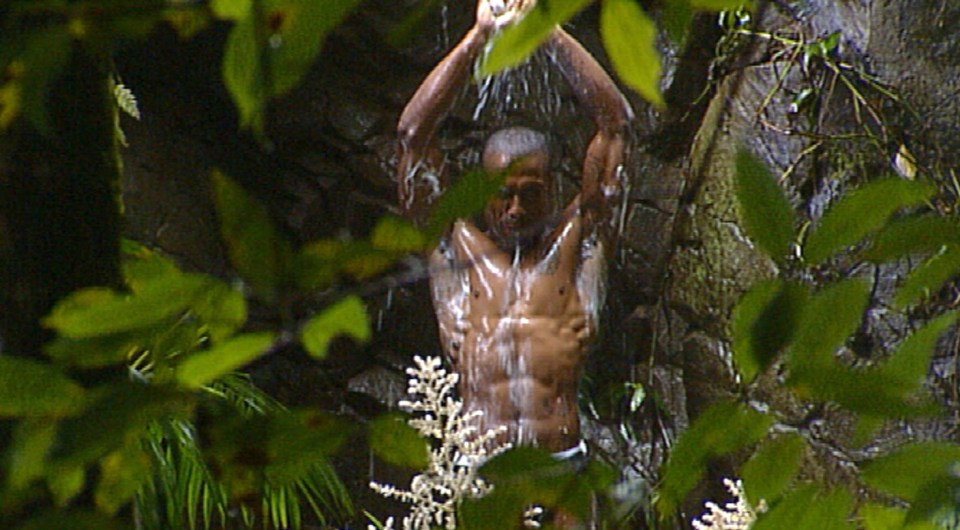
(782, 322)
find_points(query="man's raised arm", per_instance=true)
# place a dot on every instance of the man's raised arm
(600, 185)
(420, 178)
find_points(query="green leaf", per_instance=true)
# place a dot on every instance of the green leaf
(907, 368)
(65, 483)
(203, 367)
(829, 318)
(721, 5)
(221, 308)
(231, 9)
(676, 18)
(397, 235)
(296, 30)
(395, 442)
(466, 197)
(862, 212)
(809, 508)
(767, 216)
(723, 428)
(45, 54)
(516, 42)
(242, 70)
(904, 473)
(96, 312)
(122, 473)
(32, 389)
(121, 413)
(32, 442)
(97, 351)
(346, 317)
(763, 324)
(912, 235)
(300, 438)
(770, 470)
(879, 517)
(935, 497)
(629, 37)
(257, 252)
(929, 277)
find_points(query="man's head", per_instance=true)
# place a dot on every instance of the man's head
(518, 213)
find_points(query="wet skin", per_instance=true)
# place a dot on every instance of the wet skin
(517, 308)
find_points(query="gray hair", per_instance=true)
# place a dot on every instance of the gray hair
(515, 142)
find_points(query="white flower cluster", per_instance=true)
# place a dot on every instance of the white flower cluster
(737, 515)
(457, 452)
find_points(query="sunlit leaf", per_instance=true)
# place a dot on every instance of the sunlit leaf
(860, 213)
(881, 517)
(256, 250)
(96, 351)
(346, 317)
(763, 324)
(29, 388)
(122, 473)
(96, 312)
(393, 441)
(242, 73)
(516, 42)
(395, 234)
(629, 37)
(770, 470)
(767, 216)
(231, 9)
(907, 368)
(203, 367)
(722, 428)
(829, 318)
(466, 197)
(809, 508)
(912, 235)
(929, 277)
(221, 308)
(65, 483)
(905, 472)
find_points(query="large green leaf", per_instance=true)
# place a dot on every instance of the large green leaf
(516, 42)
(767, 216)
(29, 388)
(32, 441)
(912, 235)
(906, 472)
(763, 324)
(809, 508)
(97, 351)
(221, 308)
(398, 235)
(770, 470)
(203, 367)
(466, 197)
(829, 318)
(256, 250)
(242, 72)
(723, 428)
(929, 277)
(346, 317)
(862, 212)
(629, 37)
(877, 516)
(96, 312)
(393, 441)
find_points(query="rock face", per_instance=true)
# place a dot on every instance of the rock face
(893, 79)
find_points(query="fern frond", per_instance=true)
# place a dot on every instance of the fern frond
(126, 100)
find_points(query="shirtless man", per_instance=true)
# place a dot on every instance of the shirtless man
(517, 297)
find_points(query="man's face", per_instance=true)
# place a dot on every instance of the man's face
(519, 211)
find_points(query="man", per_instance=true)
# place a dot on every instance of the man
(517, 297)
